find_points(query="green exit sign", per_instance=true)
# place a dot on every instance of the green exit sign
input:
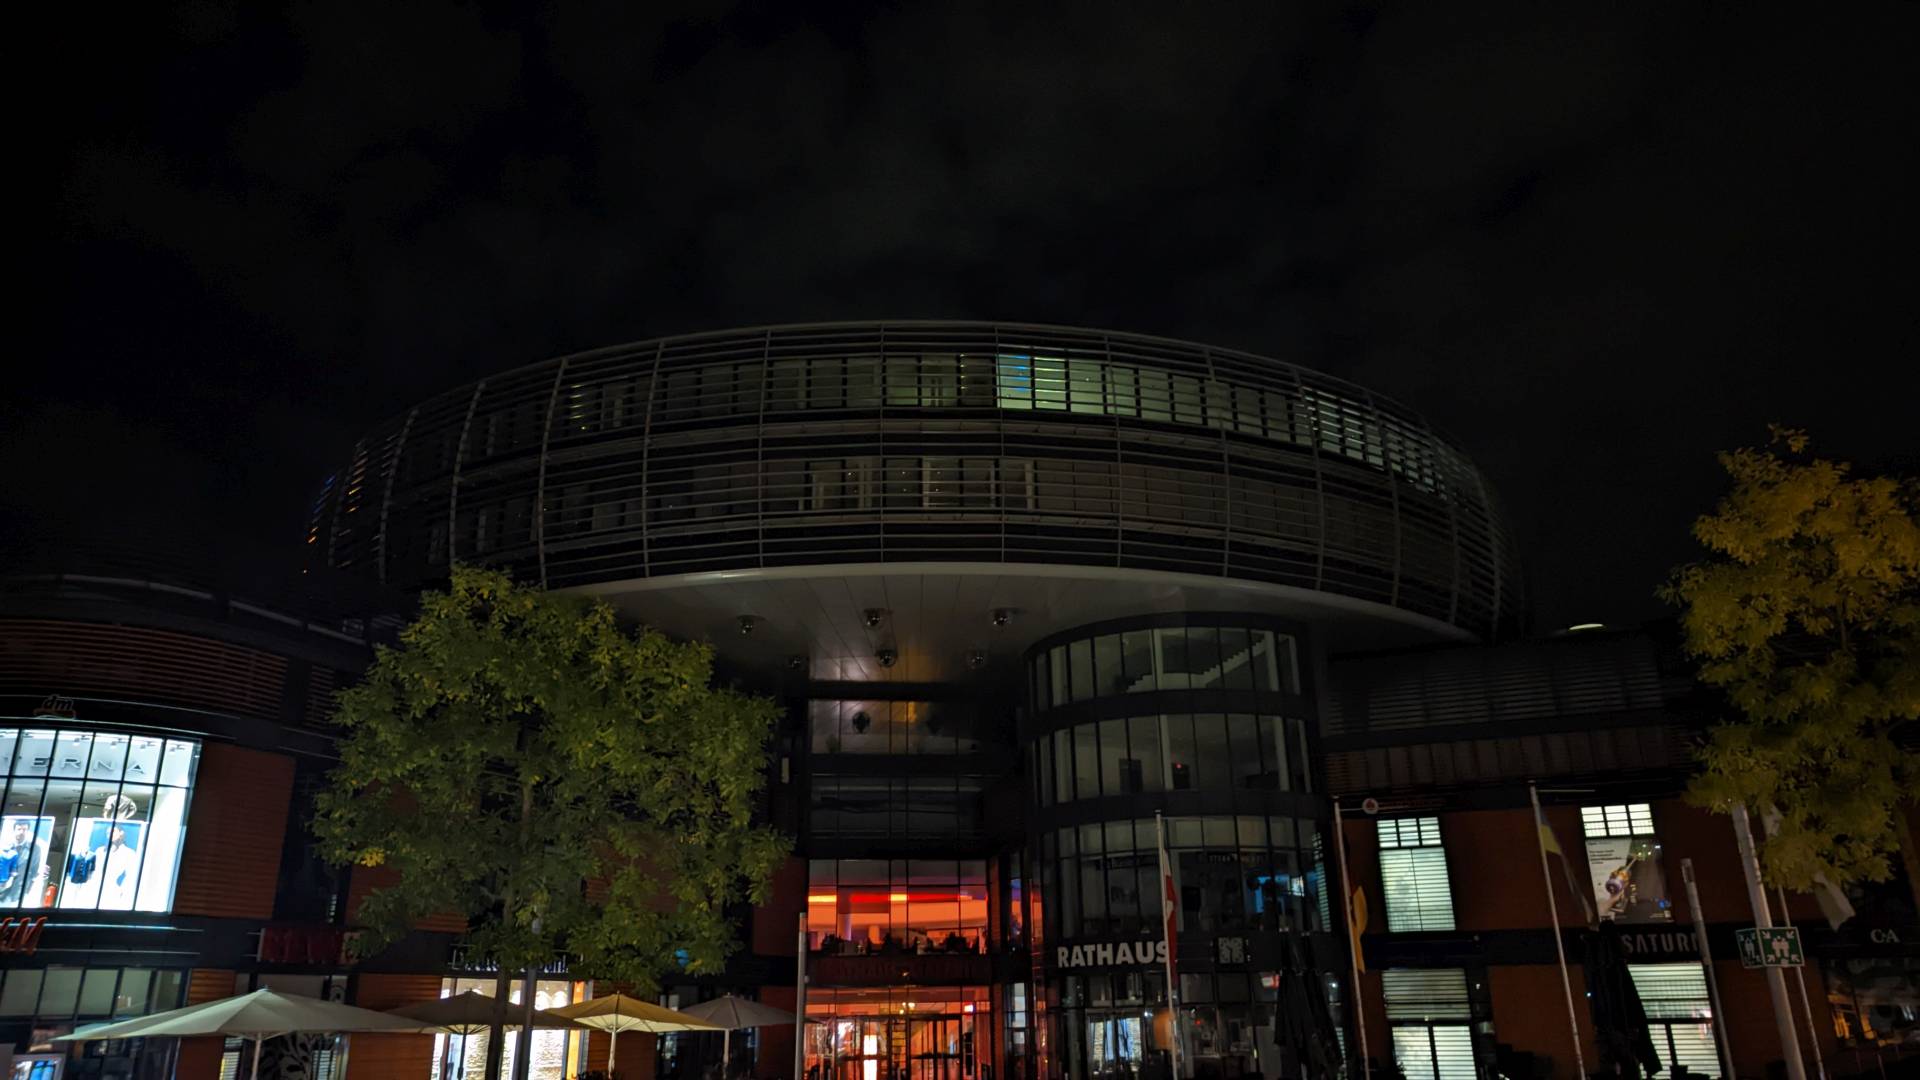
(1774, 947)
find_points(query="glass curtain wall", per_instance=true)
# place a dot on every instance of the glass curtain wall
(1241, 873)
(865, 906)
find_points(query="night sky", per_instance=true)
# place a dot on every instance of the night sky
(1593, 252)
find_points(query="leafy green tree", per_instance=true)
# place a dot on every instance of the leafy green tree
(518, 745)
(1806, 613)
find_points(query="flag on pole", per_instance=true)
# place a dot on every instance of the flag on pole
(1357, 925)
(1550, 843)
(1833, 903)
(1169, 896)
(1170, 907)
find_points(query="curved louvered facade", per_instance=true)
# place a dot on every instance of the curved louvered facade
(927, 443)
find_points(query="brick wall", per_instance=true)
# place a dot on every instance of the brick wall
(391, 1057)
(230, 863)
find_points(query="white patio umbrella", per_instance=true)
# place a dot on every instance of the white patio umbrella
(261, 1015)
(616, 1013)
(732, 1014)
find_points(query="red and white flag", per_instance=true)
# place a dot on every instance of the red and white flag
(1170, 907)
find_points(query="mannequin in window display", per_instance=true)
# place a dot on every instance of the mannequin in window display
(112, 868)
(119, 863)
(23, 864)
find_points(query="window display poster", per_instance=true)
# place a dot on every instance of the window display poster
(26, 842)
(1629, 884)
(103, 869)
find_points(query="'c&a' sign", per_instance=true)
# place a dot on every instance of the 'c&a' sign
(21, 936)
(1110, 954)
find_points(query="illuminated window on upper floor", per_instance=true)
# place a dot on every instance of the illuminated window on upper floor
(92, 819)
(1413, 875)
(1629, 819)
(898, 905)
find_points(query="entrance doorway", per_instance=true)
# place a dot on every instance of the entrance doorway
(1116, 1045)
(921, 1034)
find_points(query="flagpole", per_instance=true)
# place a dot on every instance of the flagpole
(1706, 962)
(1763, 920)
(1559, 945)
(1353, 942)
(800, 1003)
(1800, 973)
(1170, 911)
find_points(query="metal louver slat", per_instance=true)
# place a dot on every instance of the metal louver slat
(1413, 875)
(1425, 994)
(1672, 991)
(1679, 1014)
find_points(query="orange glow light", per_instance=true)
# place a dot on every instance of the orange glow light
(817, 898)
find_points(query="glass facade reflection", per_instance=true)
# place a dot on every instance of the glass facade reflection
(861, 906)
(896, 727)
(1201, 719)
(1137, 755)
(1164, 658)
(1239, 873)
(93, 820)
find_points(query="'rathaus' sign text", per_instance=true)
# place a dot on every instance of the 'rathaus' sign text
(1110, 954)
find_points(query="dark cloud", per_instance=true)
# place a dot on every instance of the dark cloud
(1595, 249)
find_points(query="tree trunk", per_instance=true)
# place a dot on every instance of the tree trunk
(523, 1061)
(497, 1034)
(503, 981)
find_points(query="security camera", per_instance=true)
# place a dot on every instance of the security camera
(886, 657)
(1002, 616)
(873, 616)
(747, 624)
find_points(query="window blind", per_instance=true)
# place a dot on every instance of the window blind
(1413, 881)
(1679, 1015)
(1442, 1052)
(1424, 995)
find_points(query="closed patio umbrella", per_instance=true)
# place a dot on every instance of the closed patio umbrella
(616, 1013)
(261, 1015)
(469, 1013)
(732, 1014)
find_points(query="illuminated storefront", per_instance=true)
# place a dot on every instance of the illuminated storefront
(900, 1033)
(93, 820)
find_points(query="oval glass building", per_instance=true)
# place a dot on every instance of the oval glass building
(1032, 593)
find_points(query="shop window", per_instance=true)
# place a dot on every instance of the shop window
(466, 1055)
(1413, 875)
(65, 994)
(1430, 1017)
(92, 820)
(1679, 1015)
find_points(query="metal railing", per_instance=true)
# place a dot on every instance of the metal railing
(881, 442)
